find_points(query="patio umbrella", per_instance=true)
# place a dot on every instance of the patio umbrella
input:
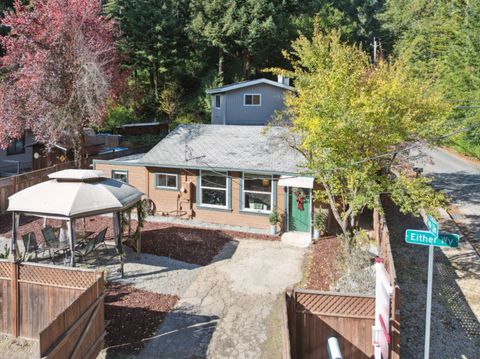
(72, 194)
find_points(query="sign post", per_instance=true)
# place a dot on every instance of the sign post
(431, 238)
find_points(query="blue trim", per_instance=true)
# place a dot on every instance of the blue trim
(204, 208)
(274, 193)
(229, 191)
(197, 190)
(240, 194)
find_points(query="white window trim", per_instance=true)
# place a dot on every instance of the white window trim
(215, 101)
(252, 94)
(226, 189)
(123, 172)
(166, 187)
(245, 209)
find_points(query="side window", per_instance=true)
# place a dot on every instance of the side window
(218, 101)
(166, 181)
(120, 175)
(252, 99)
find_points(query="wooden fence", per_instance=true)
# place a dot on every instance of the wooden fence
(61, 307)
(315, 316)
(382, 236)
(13, 184)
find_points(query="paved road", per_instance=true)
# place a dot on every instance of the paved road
(460, 179)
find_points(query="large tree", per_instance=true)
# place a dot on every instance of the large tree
(440, 40)
(61, 69)
(349, 119)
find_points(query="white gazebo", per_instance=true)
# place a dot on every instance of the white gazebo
(70, 195)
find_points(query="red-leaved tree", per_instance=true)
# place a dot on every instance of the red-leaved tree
(59, 71)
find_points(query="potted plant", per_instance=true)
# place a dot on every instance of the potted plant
(274, 220)
(319, 224)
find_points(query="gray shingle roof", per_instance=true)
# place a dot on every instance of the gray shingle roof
(241, 148)
(242, 84)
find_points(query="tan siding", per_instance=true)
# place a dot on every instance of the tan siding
(168, 201)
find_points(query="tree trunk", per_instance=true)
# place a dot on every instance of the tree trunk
(221, 58)
(336, 213)
(247, 62)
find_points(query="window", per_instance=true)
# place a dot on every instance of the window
(218, 99)
(166, 181)
(120, 175)
(252, 100)
(257, 193)
(16, 147)
(213, 189)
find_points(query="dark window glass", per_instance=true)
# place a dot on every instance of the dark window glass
(214, 197)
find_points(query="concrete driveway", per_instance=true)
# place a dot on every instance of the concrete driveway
(229, 310)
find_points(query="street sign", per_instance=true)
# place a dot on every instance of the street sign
(432, 225)
(431, 238)
(427, 238)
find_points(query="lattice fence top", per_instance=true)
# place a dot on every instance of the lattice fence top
(333, 304)
(5, 270)
(56, 276)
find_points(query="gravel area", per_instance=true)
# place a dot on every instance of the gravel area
(455, 330)
(18, 348)
(133, 315)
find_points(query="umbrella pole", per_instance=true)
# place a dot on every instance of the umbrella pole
(71, 232)
(118, 238)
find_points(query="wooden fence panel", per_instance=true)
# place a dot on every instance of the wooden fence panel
(316, 316)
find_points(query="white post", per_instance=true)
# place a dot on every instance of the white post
(429, 302)
(118, 237)
(71, 231)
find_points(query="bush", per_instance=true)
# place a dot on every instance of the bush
(274, 217)
(320, 221)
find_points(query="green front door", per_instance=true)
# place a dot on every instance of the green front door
(299, 216)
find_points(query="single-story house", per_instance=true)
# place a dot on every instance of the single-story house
(222, 174)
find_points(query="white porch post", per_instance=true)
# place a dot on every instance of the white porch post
(13, 243)
(71, 232)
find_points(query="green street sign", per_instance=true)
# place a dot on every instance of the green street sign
(432, 225)
(427, 238)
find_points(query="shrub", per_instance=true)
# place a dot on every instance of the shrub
(274, 217)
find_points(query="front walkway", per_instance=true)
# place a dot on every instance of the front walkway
(225, 312)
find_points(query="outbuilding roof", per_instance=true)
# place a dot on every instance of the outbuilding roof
(226, 147)
(239, 85)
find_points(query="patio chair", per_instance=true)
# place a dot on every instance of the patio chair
(100, 238)
(30, 244)
(51, 240)
(89, 248)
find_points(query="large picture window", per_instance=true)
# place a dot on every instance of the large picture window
(120, 175)
(213, 189)
(166, 181)
(257, 193)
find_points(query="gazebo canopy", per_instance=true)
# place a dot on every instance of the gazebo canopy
(74, 194)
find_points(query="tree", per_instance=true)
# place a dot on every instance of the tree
(440, 40)
(4, 6)
(61, 68)
(155, 38)
(350, 119)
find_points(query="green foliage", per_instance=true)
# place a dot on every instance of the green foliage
(320, 221)
(346, 110)
(6, 252)
(274, 217)
(440, 41)
(414, 194)
(117, 116)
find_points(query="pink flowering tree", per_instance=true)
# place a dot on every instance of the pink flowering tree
(59, 72)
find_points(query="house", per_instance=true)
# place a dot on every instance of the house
(249, 102)
(17, 157)
(230, 175)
